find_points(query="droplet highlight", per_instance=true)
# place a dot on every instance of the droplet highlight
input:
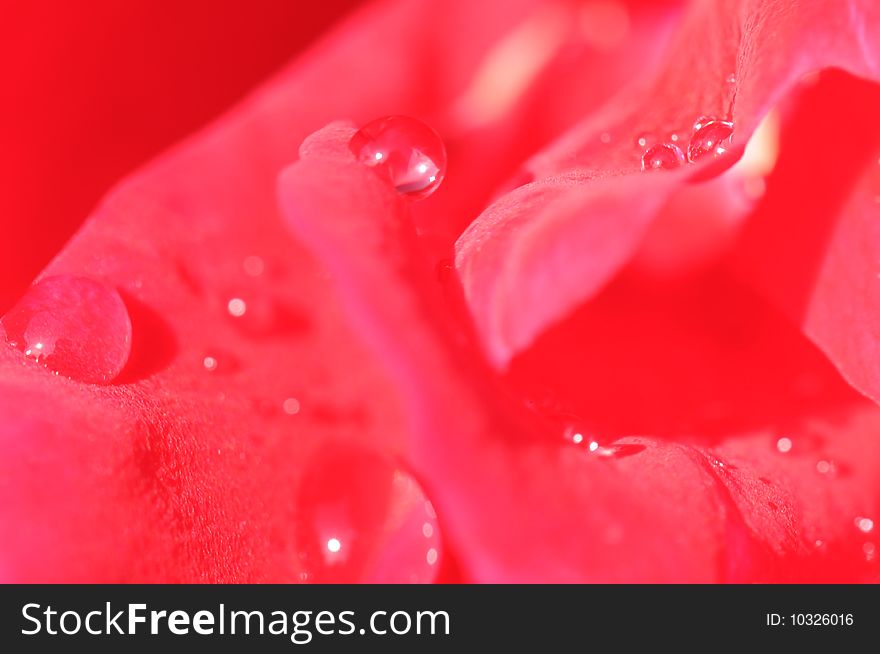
(577, 436)
(403, 150)
(662, 156)
(864, 525)
(75, 326)
(699, 122)
(253, 265)
(361, 518)
(236, 307)
(783, 445)
(291, 406)
(710, 138)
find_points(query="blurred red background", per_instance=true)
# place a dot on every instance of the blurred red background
(90, 90)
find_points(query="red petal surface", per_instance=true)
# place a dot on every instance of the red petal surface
(189, 470)
(767, 45)
(813, 245)
(519, 505)
(91, 91)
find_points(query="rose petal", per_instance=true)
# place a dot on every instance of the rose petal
(517, 504)
(766, 44)
(813, 246)
(204, 462)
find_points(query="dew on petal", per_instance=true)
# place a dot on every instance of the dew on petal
(870, 551)
(253, 266)
(605, 138)
(236, 307)
(824, 467)
(210, 363)
(642, 140)
(615, 451)
(405, 151)
(663, 156)
(864, 525)
(731, 79)
(784, 445)
(75, 326)
(291, 406)
(361, 518)
(699, 122)
(709, 139)
(574, 434)
(594, 448)
(258, 314)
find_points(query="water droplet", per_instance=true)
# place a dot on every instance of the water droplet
(699, 122)
(210, 364)
(784, 445)
(361, 518)
(870, 551)
(622, 450)
(258, 314)
(674, 137)
(642, 140)
(663, 156)
(721, 465)
(236, 307)
(574, 434)
(605, 137)
(291, 406)
(253, 266)
(731, 79)
(864, 525)
(615, 450)
(824, 467)
(709, 139)
(75, 326)
(405, 151)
